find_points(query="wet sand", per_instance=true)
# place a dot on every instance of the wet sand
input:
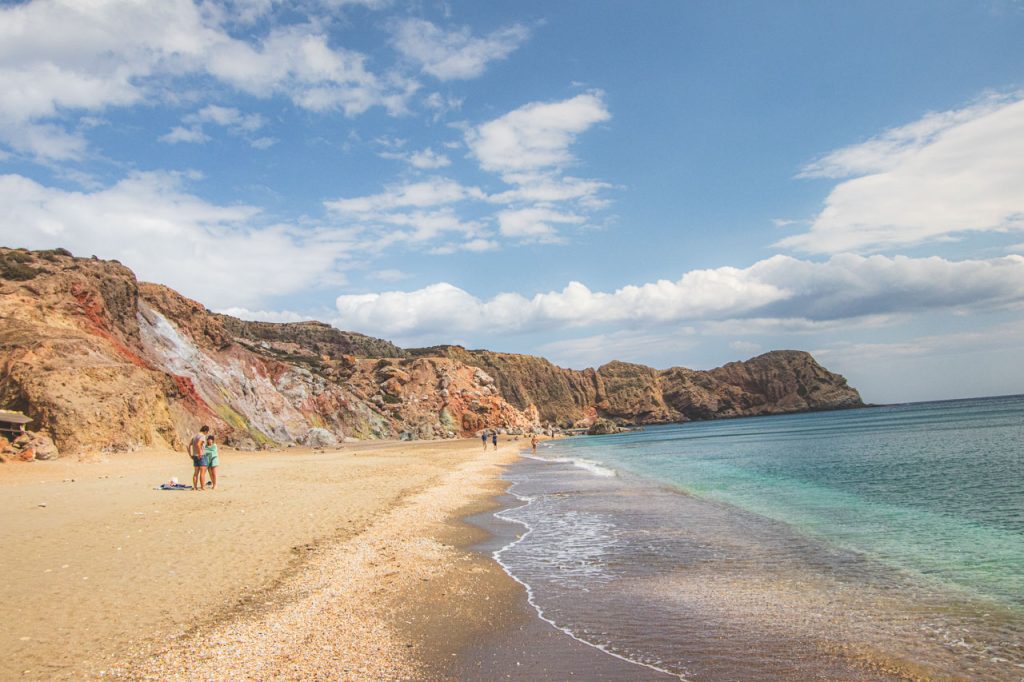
(303, 565)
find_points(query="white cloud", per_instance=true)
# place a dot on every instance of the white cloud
(420, 226)
(626, 345)
(262, 142)
(847, 286)
(549, 188)
(1003, 336)
(230, 118)
(792, 325)
(943, 176)
(298, 62)
(454, 55)
(428, 158)
(264, 315)
(217, 254)
(536, 136)
(748, 347)
(540, 201)
(181, 134)
(474, 245)
(414, 214)
(390, 275)
(534, 224)
(59, 56)
(432, 192)
(981, 362)
(442, 104)
(425, 159)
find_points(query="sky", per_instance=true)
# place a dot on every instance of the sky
(674, 183)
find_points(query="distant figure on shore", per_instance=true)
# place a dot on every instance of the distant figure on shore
(197, 451)
(213, 459)
(533, 443)
(483, 439)
(494, 439)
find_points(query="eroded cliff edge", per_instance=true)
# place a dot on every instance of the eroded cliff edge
(101, 361)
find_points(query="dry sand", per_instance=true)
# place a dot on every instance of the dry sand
(303, 565)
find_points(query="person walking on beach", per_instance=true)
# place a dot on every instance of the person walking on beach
(196, 450)
(533, 443)
(494, 439)
(213, 459)
(483, 438)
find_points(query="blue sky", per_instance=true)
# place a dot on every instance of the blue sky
(673, 183)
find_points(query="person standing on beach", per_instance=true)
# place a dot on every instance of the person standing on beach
(196, 450)
(533, 443)
(494, 439)
(212, 456)
(483, 438)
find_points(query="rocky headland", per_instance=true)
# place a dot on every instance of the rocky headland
(103, 362)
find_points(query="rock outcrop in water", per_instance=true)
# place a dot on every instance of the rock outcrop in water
(101, 361)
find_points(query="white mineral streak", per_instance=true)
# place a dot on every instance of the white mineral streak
(226, 380)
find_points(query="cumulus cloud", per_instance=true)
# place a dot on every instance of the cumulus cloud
(536, 136)
(220, 255)
(457, 54)
(938, 178)
(846, 286)
(58, 56)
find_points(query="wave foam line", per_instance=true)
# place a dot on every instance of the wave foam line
(589, 465)
(530, 598)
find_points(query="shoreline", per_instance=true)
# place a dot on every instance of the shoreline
(527, 645)
(343, 565)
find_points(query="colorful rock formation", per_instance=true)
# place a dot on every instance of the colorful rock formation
(103, 362)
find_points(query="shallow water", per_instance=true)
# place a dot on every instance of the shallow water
(862, 544)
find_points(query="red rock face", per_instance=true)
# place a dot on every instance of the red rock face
(103, 362)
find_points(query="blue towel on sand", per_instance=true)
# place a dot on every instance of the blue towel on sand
(175, 486)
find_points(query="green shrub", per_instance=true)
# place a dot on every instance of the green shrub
(16, 270)
(52, 254)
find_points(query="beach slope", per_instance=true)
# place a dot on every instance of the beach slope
(303, 564)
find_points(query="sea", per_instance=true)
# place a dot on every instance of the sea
(863, 544)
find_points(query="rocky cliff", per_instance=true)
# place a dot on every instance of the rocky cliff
(773, 383)
(101, 361)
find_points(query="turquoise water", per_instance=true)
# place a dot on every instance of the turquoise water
(933, 488)
(870, 544)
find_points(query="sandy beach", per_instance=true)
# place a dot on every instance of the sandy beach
(348, 564)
